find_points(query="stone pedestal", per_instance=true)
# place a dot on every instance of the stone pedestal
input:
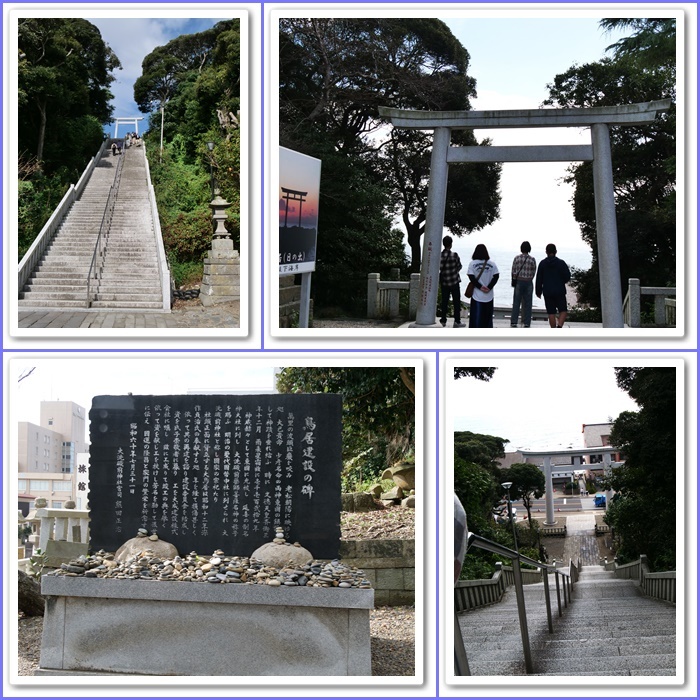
(112, 626)
(222, 274)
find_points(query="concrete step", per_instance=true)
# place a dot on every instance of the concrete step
(130, 305)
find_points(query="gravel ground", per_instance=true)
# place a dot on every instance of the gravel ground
(392, 629)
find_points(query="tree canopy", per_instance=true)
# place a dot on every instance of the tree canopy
(642, 67)
(197, 77)
(334, 75)
(378, 413)
(64, 73)
(643, 511)
(482, 373)
(528, 483)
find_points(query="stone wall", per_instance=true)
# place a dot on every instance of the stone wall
(388, 564)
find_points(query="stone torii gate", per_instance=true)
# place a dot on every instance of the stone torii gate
(548, 467)
(118, 121)
(599, 119)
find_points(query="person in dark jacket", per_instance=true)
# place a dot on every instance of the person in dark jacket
(552, 276)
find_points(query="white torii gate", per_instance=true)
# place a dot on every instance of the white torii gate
(577, 454)
(126, 120)
(598, 119)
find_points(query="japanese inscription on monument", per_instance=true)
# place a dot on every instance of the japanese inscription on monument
(209, 472)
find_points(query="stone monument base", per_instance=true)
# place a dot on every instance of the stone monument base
(221, 281)
(114, 626)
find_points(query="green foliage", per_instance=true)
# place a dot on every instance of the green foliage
(378, 412)
(185, 273)
(64, 73)
(641, 69)
(484, 450)
(334, 75)
(482, 373)
(643, 511)
(195, 78)
(37, 564)
(528, 483)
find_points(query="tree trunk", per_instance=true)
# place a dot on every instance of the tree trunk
(42, 132)
(29, 598)
(414, 236)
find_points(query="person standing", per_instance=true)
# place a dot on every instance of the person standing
(522, 273)
(552, 276)
(450, 265)
(484, 274)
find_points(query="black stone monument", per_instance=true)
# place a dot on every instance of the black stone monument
(209, 472)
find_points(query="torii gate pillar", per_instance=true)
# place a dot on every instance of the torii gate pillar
(597, 119)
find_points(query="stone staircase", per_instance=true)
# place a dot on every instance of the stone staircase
(130, 276)
(609, 629)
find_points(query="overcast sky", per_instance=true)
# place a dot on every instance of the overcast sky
(78, 380)
(538, 403)
(512, 61)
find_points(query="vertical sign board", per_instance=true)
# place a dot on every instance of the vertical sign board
(299, 188)
(209, 472)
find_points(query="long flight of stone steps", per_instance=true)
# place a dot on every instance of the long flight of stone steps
(609, 629)
(130, 276)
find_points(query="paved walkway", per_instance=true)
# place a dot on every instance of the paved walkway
(183, 316)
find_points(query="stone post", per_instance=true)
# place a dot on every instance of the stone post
(372, 287)
(434, 223)
(606, 226)
(549, 491)
(635, 303)
(394, 275)
(221, 281)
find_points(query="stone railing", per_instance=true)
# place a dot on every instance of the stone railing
(163, 266)
(663, 311)
(389, 566)
(383, 296)
(660, 584)
(61, 524)
(36, 250)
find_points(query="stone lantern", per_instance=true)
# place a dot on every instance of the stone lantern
(221, 280)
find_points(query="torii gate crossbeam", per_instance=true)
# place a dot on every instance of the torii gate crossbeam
(598, 119)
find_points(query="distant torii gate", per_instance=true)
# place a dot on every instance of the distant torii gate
(597, 118)
(126, 120)
(577, 454)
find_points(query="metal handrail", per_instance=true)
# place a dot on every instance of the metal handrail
(567, 581)
(101, 242)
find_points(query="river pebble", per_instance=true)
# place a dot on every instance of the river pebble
(217, 568)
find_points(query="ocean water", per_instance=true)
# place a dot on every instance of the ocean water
(579, 257)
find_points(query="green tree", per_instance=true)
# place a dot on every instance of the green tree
(643, 510)
(482, 373)
(334, 76)
(378, 412)
(642, 68)
(197, 77)
(528, 483)
(64, 73)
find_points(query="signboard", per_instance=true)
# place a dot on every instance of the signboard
(209, 472)
(299, 187)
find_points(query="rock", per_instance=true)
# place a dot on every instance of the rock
(363, 502)
(153, 537)
(347, 502)
(393, 494)
(375, 490)
(137, 545)
(409, 502)
(281, 555)
(70, 505)
(40, 503)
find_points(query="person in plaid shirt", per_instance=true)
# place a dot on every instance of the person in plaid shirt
(450, 265)
(522, 273)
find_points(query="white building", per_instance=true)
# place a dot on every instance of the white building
(47, 455)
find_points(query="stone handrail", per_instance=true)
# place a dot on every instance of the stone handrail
(489, 592)
(660, 584)
(383, 296)
(632, 305)
(163, 267)
(38, 247)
